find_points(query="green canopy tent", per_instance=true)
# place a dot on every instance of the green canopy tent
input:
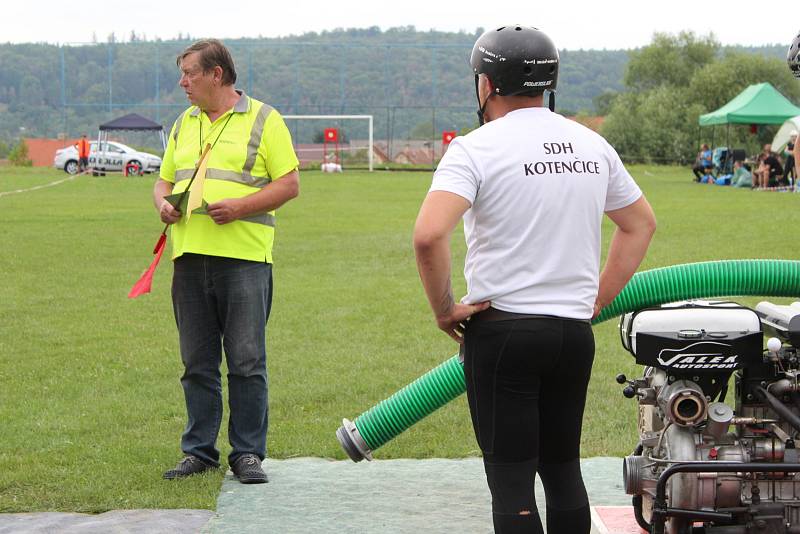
(758, 104)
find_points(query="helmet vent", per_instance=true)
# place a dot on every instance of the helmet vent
(518, 29)
(527, 70)
(501, 28)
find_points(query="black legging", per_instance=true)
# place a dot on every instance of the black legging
(526, 386)
(699, 171)
(789, 171)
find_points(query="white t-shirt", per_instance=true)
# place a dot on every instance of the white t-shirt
(538, 185)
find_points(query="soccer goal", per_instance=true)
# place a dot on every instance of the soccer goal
(354, 141)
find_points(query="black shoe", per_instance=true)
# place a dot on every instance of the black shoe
(190, 465)
(247, 468)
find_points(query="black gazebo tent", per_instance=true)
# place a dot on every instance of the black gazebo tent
(131, 122)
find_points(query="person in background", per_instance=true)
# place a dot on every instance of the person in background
(793, 62)
(769, 169)
(741, 175)
(796, 156)
(703, 164)
(789, 174)
(83, 147)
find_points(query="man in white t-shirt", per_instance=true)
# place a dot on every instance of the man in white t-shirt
(793, 60)
(532, 188)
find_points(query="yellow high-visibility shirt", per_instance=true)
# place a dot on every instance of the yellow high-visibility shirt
(251, 148)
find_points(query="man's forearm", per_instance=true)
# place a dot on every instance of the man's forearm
(625, 254)
(271, 197)
(433, 264)
(161, 189)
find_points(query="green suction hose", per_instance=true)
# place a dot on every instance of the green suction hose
(440, 385)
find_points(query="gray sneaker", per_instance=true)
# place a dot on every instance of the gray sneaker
(190, 465)
(247, 468)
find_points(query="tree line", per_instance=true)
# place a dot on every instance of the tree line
(413, 82)
(677, 78)
(398, 75)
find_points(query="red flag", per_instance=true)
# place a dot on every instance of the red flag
(142, 285)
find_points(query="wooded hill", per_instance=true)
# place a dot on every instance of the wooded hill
(398, 75)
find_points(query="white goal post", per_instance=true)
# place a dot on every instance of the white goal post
(338, 117)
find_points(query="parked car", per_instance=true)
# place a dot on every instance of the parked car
(112, 156)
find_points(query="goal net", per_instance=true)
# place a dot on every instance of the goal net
(353, 146)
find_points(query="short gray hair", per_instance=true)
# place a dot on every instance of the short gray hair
(212, 54)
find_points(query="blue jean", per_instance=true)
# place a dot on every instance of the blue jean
(223, 303)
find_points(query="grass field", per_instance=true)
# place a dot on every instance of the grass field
(91, 409)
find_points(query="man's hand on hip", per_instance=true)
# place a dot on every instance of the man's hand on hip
(226, 210)
(452, 323)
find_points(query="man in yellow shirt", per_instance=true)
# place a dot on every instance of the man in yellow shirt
(222, 252)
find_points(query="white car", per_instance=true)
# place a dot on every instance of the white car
(112, 156)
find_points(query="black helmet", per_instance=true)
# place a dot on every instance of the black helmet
(519, 60)
(793, 57)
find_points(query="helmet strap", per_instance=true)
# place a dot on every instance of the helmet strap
(551, 99)
(481, 107)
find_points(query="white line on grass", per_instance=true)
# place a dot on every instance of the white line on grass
(51, 184)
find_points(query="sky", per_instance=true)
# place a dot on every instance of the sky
(572, 24)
